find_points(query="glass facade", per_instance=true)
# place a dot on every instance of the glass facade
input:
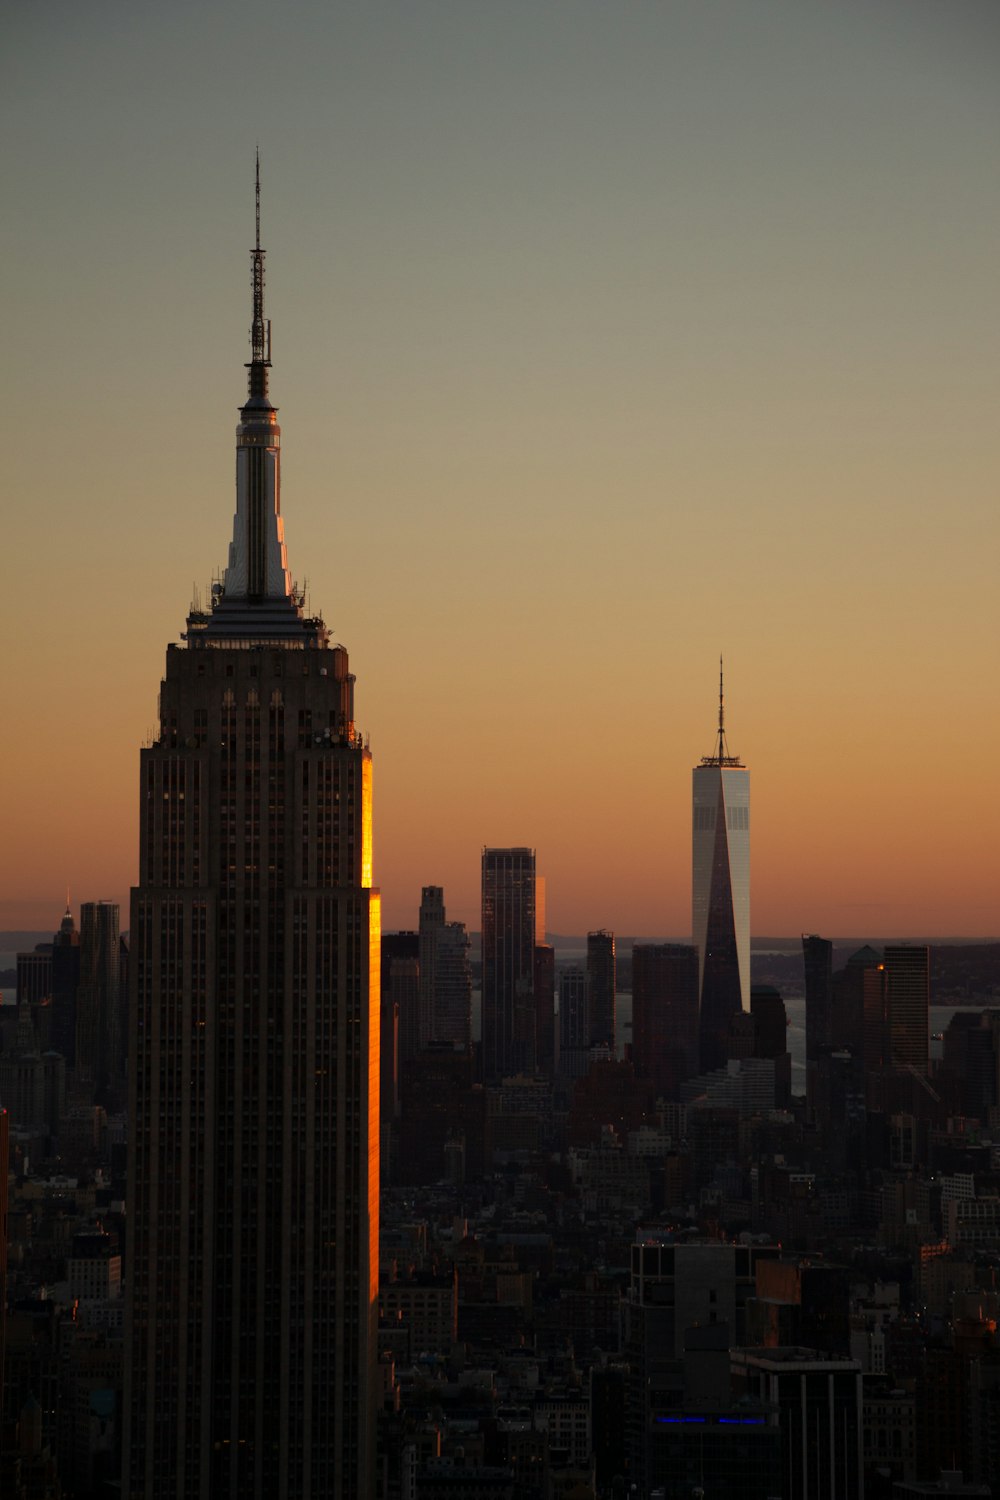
(720, 896)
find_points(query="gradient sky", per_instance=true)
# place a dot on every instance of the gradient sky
(608, 334)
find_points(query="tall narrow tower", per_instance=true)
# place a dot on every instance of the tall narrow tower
(510, 930)
(720, 890)
(254, 1039)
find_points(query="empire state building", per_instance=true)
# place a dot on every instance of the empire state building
(253, 1047)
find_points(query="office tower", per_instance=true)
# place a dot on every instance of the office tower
(65, 982)
(452, 986)
(817, 960)
(720, 891)
(393, 945)
(100, 1046)
(32, 1083)
(672, 1289)
(404, 996)
(445, 974)
(770, 1018)
(545, 1008)
(431, 920)
(817, 1402)
(574, 1023)
(665, 1045)
(509, 936)
(34, 975)
(907, 999)
(857, 1013)
(254, 1060)
(574, 1020)
(601, 975)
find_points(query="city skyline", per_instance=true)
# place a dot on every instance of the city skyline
(643, 336)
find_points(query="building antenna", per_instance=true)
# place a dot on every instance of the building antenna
(721, 755)
(722, 715)
(260, 353)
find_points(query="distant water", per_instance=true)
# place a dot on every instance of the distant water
(795, 1009)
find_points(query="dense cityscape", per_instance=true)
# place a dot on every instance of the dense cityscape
(298, 1207)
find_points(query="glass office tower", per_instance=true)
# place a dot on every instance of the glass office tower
(720, 891)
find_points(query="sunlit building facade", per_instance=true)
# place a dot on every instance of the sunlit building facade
(720, 891)
(254, 1041)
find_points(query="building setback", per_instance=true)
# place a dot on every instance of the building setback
(254, 1040)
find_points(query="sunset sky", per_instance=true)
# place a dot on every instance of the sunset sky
(608, 335)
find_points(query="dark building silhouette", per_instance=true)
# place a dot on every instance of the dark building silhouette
(431, 919)
(452, 987)
(438, 1105)
(445, 974)
(574, 1015)
(858, 1018)
(767, 1010)
(254, 1063)
(601, 980)
(394, 945)
(100, 1045)
(817, 959)
(801, 1303)
(971, 1062)
(544, 969)
(34, 975)
(907, 976)
(510, 925)
(65, 983)
(818, 1399)
(609, 1094)
(404, 996)
(665, 1014)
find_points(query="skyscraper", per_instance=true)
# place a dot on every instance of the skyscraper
(254, 1039)
(665, 1014)
(907, 999)
(601, 975)
(445, 974)
(720, 890)
(65, 983)
(817, 960)
(574, 1015)
(100, 1045)
(452, 987)
(432, 916)
(509, 936)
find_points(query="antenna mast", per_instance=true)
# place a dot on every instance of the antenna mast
(722, 717)
(260, 353)
(721, 756)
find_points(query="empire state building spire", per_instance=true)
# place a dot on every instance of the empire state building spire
(256, 597)
(260, 352)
